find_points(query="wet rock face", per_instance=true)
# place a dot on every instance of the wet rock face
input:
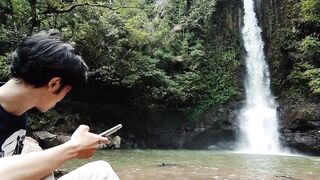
(213, 139)
(303, 142)
(301, 117)
(300, 127)
(228, 14)
(216, 131)
(220, 129)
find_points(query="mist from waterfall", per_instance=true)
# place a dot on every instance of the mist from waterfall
(258, 118)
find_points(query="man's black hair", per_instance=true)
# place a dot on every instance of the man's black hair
(43, 56)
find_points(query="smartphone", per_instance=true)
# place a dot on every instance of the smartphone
(111, 131)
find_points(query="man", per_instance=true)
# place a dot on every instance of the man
(44, 69)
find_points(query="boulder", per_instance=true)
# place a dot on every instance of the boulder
(48, 140)
(116, 141)
(300, 127)
(63, 138)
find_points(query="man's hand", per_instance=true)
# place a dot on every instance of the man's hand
(85, 142)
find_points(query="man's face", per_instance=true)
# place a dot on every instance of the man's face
(51, 98)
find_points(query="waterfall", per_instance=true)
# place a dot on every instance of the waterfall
(258, 118)
(160, 6)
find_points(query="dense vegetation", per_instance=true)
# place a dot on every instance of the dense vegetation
(154, 56)
(159, 55)
(295, 43)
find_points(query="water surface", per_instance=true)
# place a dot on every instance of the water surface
(203, 165)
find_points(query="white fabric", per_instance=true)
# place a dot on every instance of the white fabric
(31, 145)
(98, 170)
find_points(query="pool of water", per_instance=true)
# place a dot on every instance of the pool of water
(203, 165)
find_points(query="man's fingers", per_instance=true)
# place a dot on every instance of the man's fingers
(80, 130)
(83, 127)
(104, 140)
(100, 139)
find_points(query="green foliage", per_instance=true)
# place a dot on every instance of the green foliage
(305, 78)
(4, 68)
(39, 121)
(208, 63)
(311, 10)
(201, 12)
(311, 49)
(54, 121)
(295, 50)
(313, 75)
(170, 58)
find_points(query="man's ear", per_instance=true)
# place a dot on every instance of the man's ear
(54, 84)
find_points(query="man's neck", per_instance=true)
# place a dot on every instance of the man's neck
(17, 97)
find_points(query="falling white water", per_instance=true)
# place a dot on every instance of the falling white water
(160, 6)
(258, 119)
